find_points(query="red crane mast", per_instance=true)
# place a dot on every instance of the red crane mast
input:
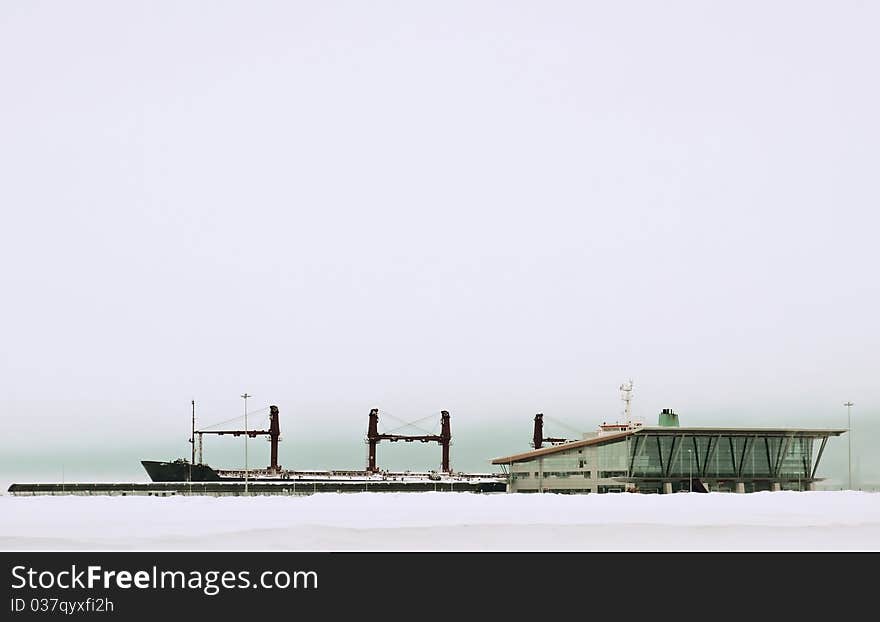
(374, 437)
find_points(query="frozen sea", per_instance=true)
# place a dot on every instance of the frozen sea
(432, 521)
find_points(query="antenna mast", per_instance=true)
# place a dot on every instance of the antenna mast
(626, 390)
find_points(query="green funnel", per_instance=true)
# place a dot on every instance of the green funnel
(668, 419)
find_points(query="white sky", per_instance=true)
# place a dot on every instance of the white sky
(494, 208)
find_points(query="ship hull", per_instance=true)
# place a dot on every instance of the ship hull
(305, 482)
(179, 472)
(224, 488)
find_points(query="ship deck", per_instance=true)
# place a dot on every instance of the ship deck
(357, 476)
(292, 486)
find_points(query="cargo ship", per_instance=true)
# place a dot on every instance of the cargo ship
(371, 478)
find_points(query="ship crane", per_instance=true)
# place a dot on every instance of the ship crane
(538, 437)
(274, 434)
(374, 437)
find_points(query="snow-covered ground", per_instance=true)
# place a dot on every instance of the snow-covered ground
(812, 521)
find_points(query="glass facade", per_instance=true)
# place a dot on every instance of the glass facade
(613, 457)
(720, 456)
(564, 462)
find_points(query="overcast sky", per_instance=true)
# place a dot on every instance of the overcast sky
(493, 208)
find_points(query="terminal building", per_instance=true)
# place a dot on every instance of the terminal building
(668, 458)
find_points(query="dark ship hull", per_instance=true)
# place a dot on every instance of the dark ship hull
(179, 471)
(263, 481)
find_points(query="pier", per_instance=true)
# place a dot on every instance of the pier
(282, 487)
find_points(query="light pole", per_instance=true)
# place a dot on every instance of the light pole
(192, 440)
(690, 471)
(849, 406)
(245, 396)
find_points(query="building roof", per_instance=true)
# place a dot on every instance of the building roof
(535, 453)
(743, 431)
(696, 431)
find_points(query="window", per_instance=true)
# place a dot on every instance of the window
(612, 473)
(560, 473)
